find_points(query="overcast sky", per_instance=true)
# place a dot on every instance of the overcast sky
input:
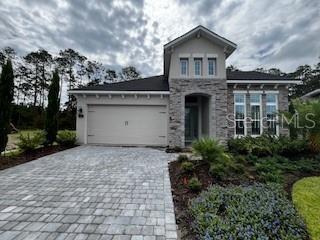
(283, 33)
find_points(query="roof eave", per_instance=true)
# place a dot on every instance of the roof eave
(75, 92)
(274, 81)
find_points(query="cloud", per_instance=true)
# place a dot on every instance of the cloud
(281, 33)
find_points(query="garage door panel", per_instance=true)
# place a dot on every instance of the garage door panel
(127, 125)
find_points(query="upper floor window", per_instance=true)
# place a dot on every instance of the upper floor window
(240, 113)
(255, 107)
(212, 64)
(184, 66)
(271, 112)
(198, 66)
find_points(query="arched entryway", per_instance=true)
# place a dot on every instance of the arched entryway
(197, 117)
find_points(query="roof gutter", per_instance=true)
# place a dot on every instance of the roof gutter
(117, 92)
(265, 81)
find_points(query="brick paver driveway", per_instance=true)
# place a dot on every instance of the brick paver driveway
(89, 192)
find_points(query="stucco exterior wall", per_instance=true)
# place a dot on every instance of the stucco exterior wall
(194, 48)
(282, 92)
(83, 102)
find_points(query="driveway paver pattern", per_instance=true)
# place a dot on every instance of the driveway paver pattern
(89, 192)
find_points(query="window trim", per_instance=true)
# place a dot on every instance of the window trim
(260, 108)
(195, 60)
(276, 104)
(214, 59)
(245, 113)
(187, 66)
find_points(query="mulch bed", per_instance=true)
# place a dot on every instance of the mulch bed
(182, 194)
(11, 161)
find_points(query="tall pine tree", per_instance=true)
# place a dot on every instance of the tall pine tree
(51, 126)
(6, 98)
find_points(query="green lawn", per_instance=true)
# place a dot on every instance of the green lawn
(13, 139)
(306, 198)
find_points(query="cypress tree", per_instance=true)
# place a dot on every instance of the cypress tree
(51, 124)
(6, 98)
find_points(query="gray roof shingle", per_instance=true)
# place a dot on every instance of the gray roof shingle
(155, 83)
(160, 83)
(253, 75)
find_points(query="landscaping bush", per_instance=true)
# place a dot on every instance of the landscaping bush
(246, 212)
(66, 138)
(209, 149)
(266, 145)
(222, 164)
(182, 158)
(308, 115)
(260, 151)
(194, 184)
(187, 166)
(29, 141)
(292, 147)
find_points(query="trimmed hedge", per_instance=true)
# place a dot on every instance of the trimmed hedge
(246, 212)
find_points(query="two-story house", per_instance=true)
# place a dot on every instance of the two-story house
(195, 97)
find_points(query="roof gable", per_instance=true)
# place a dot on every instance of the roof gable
(228, 46)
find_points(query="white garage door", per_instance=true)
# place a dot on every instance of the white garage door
(127, 125)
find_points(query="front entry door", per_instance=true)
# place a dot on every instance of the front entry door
(191, 124)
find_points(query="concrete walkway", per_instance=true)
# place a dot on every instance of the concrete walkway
(89, 192)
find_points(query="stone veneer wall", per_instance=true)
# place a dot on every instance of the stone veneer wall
(283, 104)
(215, 89)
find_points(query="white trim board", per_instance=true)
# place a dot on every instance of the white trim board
(119, 92)
(265, 81)
(257, 91)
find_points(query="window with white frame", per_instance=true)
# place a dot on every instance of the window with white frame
(212, 65)
(255, 108)
(198, 66)
(271, 112)
(184, 66)
(240, 113)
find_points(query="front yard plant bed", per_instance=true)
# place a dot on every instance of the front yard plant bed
(242, 167)
(256, 211)
(12, 160)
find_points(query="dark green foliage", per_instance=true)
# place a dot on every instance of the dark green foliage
(31, 141)
(51, 125)
(271, 169)
(222, 164)
(261, 151)
(246, 212)
(292, 130)
(66, 138)
(209, 149)
(33, 117)
(182, 158)
(187, 166)
(266, 145)
(67, 119)
(194, 184)
(6, 98)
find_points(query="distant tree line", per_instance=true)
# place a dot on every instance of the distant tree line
(33, 73)
(32, 77)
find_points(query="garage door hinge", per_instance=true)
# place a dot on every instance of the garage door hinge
(162, 136)
(162, 112)
(89, 135)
